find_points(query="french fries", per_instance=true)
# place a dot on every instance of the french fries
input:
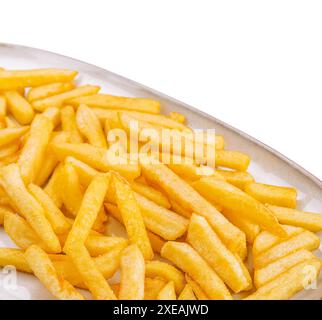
(187, 259)
(191, 200)
(48, 90)
(19, 107)
(234, 199)
(274, 269)
(58, 100)
(304, 240)
(290, 282)
(279, 196)
(13, 79)
(44, 270)
(230, 268)
(113, 102)
(307, 220)
(33, 152)
(132, 274)
(27, 206)
(106, 194)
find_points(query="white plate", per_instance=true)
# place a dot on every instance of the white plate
(267, 166)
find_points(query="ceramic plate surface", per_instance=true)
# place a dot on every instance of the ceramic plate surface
(267, 166)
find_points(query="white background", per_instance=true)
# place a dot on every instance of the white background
(256, 65)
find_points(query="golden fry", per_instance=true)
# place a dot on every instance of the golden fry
(307, 220)
(187, 293)
(10, 135)
(34, 150)
(113, 102)
(14, 257)
(279, 196)
(237, 178)
(232, 159)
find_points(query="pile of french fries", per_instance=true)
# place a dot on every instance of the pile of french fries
(218, 234)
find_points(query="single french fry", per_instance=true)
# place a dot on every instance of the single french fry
(90, 127)
(50, 160)
(199, 293)
(34, 150)
(13, 79)
(288, 283)
(156, 242)
(167, 272)
(88, 211)
(92, 276)
(177, 117)
(132, 216)
(85, 172)
(44, 270)
(279, 196)
(95, 157)
(167, 292)
(274, 269)
(28, 207)
(188, 260)
(187, 293)
(56, 218)
(265, 240)
(59, 99)
(151, 194)
(9, 135)
(48, 90)
(192, 201)
(229, 267)
(237, 178)
(250, 228)
(307, 220)
(232, 159)
(14, 257)
(107, 101)
(304, 240)
(53, 114)
(132, 274)
(19, 107)
(68, 121)
(70, 189)
(234, 199)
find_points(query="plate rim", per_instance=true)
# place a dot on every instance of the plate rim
(241, 133)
